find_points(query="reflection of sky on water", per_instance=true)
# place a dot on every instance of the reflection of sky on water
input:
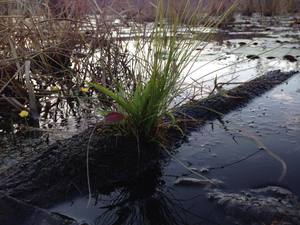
(272, 118)
(284, 97)
(269, 38)
(227, 60)
(229, 63)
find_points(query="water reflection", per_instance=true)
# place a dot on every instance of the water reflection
(141, 200)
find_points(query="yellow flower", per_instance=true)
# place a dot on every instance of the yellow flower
(55, 88)
(24, 114)
(84, 89)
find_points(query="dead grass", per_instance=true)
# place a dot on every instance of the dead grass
(64, 52)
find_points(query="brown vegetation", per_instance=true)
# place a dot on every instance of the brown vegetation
(146, 10)
(65, 49)
(270, 7)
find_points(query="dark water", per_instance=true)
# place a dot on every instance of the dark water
(232, 157)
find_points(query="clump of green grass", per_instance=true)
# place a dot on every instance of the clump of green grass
(158, 64)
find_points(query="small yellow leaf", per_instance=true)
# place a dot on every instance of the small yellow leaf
(84, 90)
(55, 88)
(24, 114)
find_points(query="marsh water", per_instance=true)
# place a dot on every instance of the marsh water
(221, 149)
(223, 152)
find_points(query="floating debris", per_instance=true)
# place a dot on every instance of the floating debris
(198, 182)
(260, 206)
(204, 170)
(252, 57)
(290, 58)
(201, 170)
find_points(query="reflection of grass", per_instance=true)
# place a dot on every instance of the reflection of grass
(152, 210)
(142, 201)
(158, 66)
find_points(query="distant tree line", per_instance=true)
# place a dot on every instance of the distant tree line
(270, 7)
(144, 9)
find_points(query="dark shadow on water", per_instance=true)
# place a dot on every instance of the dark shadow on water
(144, 199)
(141, 202)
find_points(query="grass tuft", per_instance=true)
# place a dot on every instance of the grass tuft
(159, 61)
